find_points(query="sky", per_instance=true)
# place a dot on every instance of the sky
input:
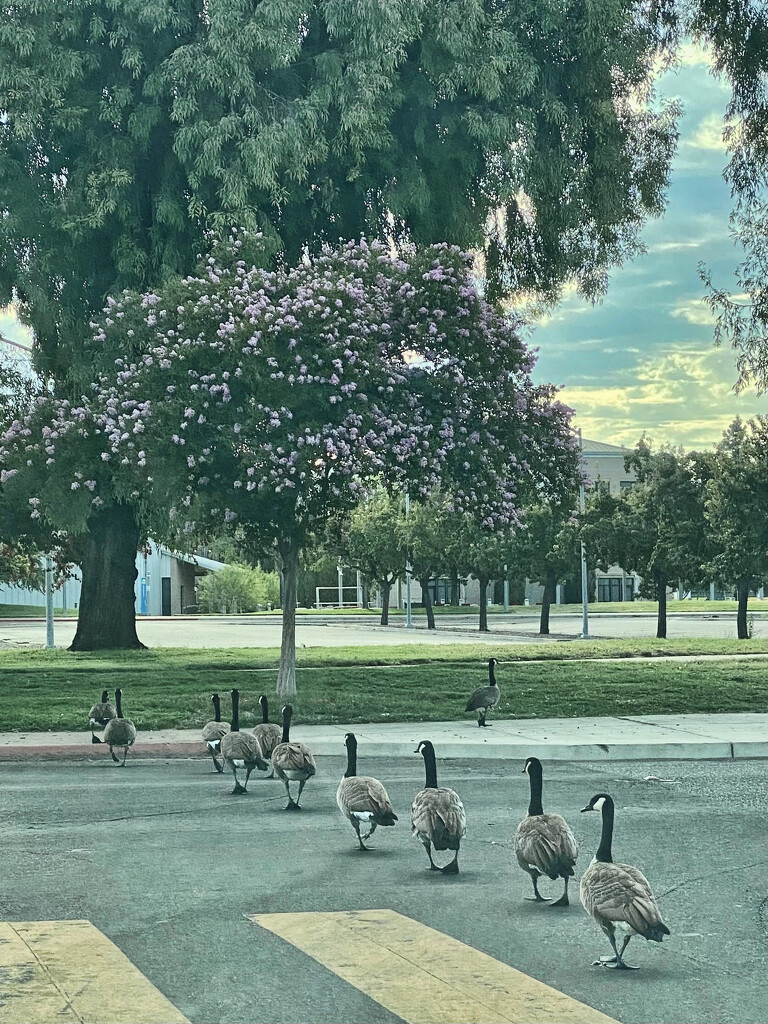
(643, 360)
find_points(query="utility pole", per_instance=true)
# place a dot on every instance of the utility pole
(584, 592)
(408, 619)
(49, 603)
(506, 588)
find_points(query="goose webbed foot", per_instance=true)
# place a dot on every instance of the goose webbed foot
(291, 806)
(238, 790)
(537, 897)
(95, 738)
(605, 961)
(115, 758)
(452, 868)
(562, 902)
(621, 966)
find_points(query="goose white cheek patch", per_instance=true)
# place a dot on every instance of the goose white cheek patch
(598, 804)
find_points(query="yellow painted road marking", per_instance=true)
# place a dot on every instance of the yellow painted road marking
(422, 975)
(62, 971)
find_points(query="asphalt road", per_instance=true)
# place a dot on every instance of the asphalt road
(331, 631)
(167, 864)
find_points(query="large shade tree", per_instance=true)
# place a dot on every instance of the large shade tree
(127, 128)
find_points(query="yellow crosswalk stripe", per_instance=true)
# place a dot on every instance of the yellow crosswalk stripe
(62, 971)
(424, 976)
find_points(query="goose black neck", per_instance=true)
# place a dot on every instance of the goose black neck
(286, 726)
(491, 673)
(431, 768)
(105, 697)
(351, 758)
(604, 849)
(534, 774)
(235, 723)
(216, 708)
(119, 703)
(264, 711)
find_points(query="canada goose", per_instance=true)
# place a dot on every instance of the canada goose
(544, 843)
(618, 896)
(485, 697)
(100, 714)
(292, 761)
(240, 749)
(267, 733)
(120, 732)
(214, 731)
(362, 798)
(437, 815)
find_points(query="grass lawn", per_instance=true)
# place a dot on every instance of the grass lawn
(166, 688)
(31, 611)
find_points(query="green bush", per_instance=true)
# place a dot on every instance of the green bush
(238, 588)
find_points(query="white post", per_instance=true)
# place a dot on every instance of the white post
(341, 587)
(711, 591)
(317, 598)
(49, 602)
(359, 581)
(408, 620)
(506, 588)
(584, 592)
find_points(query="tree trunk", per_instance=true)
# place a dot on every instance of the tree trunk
(661, 590)
(426, 598)
(107, 556)
(386, 586)
(455, 592)
(286, 673)
(742, 595)
(483, 581)
(550, 585)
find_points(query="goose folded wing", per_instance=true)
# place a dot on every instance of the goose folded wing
(620, 893)
(293, 756)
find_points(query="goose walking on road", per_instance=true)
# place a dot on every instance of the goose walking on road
(213, 732)
(544, 843)
(240, 750)
(120, 732)
(618, 896)
(100, 715)
(437, 815)
(293, 762)
(267, 733)
(361, 798)
(485, 697)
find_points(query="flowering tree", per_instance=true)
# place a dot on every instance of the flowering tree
(268, 398)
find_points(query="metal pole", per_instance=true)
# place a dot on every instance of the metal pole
(408, 620)
(341, 587)
(49, 602)
(359, 583)
(584, 592)
(506, 588)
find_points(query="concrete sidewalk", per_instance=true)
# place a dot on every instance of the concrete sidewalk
(690, 737)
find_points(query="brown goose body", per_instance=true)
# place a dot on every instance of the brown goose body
(618, 896)
(485, 697)
(292, 761)
(361, 798)
(544, 843)
(100, 715)
(438, 818)
(120, 732)
(240, 750)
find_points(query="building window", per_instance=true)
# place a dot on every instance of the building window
(627, 485)
(611, 589)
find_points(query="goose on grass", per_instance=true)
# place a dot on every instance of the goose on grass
(485, 697)
(120, 732)
(618, 896)
(267, 733)
(361, 798)
(100, 715)
(293, 762)
(240, 750)
(437, 815)
(214, 732)
(544, 843)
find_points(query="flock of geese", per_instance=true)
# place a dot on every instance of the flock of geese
(617, 896)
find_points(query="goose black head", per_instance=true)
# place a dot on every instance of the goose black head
(350, 740)
(597, 802)
(532, 766)
(287, 711)
(424, 747)
(105, 697)
(262, 700)
(493, 661)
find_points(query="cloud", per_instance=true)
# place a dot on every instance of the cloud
(693, 311)
(12, 329)
(708, 134)
(673, 246)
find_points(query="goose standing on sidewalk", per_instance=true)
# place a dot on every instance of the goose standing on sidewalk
(267, 733)
(100, 715)
(485, 697)
(120, 732)
(437, 815)
(293, 762)
(618, 896)
(361, 798)
(240, 749)
(544, 843)
(214, 732)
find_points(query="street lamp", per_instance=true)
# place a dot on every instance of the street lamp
(584, 594)
(408, 620)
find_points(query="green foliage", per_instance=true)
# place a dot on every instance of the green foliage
(372, 538)
(238, 588)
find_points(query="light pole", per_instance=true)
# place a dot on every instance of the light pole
(49, 603)
(408, 620)
(584, 594)
(506, 588)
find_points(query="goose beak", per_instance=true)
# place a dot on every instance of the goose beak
(416, 751)
(587, 809)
